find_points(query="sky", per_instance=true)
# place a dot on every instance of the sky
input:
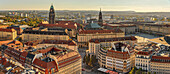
(106, 5)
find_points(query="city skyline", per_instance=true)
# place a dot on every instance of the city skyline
(106, 5)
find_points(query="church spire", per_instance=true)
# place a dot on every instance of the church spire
(100, 21)
(52, 15)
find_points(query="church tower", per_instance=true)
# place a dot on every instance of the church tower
(52, 15)
(100, 21)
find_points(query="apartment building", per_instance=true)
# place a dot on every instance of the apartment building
(155, 29)
(160, 63)
(31, 35)
(143, 59)
(85, 35)
(8, 34)
(120, 57)
(96, 44)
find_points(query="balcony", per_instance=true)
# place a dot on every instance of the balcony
(119, 62)
(119, 65)
(109, 59)
(109, 63)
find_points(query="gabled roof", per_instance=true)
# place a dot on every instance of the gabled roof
(45, 65)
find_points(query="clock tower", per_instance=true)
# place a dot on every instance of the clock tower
(52, 15)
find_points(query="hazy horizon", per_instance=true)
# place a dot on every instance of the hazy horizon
(88, 5)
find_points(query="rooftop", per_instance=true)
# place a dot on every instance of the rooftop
(92, 25)
(162, 40)
(7, 30)
(36, 42)
(26, 31)
(61, 24)
(100, 31)
(132, 38)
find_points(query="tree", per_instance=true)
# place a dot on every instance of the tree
(139, 71)
(131, 72)
(90, 62)
(23, 22)
(94, 60)
(149, 72)
(87, 59)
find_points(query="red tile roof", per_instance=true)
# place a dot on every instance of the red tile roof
(62, 24)
(69, 60)
(45, 65)
(160, 59)
(24, 54)
(48, 49)
(6, 30)
(144, 53)
(132, 38)
(100, 31)
(45, 50)
(36, 42)
(58, 25)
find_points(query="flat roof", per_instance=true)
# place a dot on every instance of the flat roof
(159, 40)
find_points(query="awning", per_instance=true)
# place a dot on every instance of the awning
(107, 71)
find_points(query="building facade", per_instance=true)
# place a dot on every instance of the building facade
(119, 57)
(160, 65)
(7, 34)
(126, 28)
(96, 44)
(143, 59)
(31, 35)
(155, 29)
(85, 35)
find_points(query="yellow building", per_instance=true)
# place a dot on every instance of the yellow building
(160, 65)
(85, 35)
(120, 57)
(7, 34)
(31, 35)
(142, 59)
(96, 44)
(155, 29)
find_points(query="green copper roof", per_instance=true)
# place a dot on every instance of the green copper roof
(92, 25)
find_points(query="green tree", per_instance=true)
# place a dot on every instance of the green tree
(138, 71)
(149, 72)
(87, 59)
